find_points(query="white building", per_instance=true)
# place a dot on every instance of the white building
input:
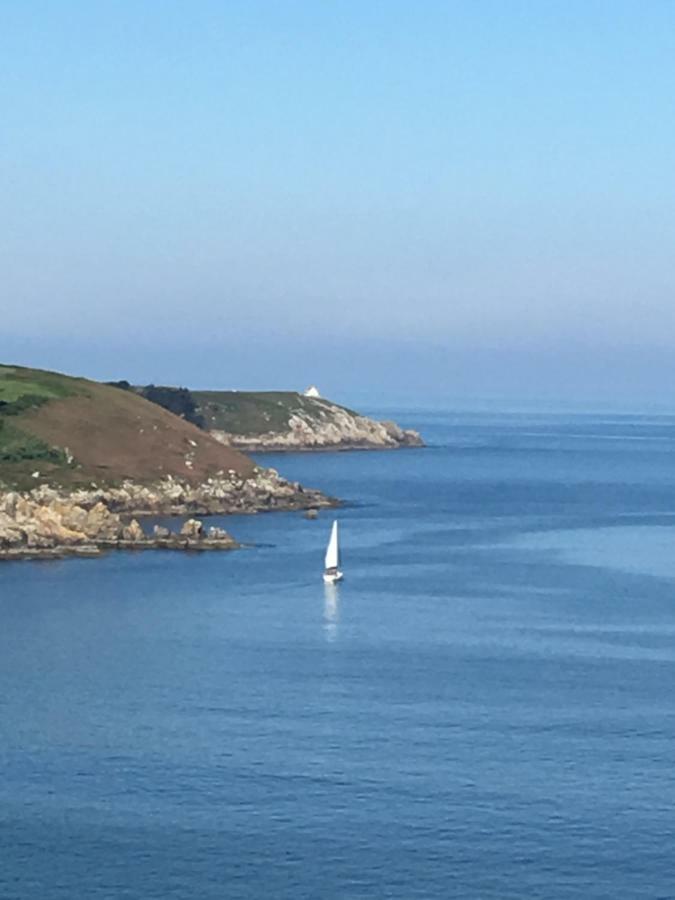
(312, 391)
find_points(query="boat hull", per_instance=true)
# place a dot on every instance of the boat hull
(332, 577)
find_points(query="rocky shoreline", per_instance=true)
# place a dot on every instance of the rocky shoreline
(332, 428)
(49, 522)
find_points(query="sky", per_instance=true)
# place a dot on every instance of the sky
(396, 199)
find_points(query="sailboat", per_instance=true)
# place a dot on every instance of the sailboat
(332, 571)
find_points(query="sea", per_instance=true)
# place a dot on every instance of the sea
(484, 708)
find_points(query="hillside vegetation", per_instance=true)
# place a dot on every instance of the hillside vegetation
(259, 421)
(71, 431)
(255, 413)
(243, 413)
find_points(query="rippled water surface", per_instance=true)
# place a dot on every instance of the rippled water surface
(483, 709)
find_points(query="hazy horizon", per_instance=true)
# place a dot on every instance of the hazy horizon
(392, 201)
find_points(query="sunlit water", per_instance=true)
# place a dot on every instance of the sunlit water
(484, 708)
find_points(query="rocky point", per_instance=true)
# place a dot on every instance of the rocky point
(48, 521)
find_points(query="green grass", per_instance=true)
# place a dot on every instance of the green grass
(246, 412)
(16, 446)
(22, 389)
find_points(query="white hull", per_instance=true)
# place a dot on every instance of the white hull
(332, 577)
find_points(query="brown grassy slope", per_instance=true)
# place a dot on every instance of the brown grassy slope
(115, 434)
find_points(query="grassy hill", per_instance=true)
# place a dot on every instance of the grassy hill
(255, 412)
(262, 421)
(259, 421)
(73, 431)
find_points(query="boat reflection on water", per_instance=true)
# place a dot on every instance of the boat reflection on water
(331, 611)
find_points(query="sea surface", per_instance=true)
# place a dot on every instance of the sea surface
(484, 708)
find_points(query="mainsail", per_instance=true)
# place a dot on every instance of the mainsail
(333, 549)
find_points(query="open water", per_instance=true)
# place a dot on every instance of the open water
(485, 708)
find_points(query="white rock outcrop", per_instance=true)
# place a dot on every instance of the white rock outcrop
(326, 427)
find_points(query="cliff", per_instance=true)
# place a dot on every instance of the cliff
(281, 421)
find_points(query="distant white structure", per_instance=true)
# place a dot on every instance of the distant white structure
(312, 391)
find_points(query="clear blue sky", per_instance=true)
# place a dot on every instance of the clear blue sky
(400, 197)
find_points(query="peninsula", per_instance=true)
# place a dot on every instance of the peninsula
(278, 421)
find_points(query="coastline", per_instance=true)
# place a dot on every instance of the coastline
(324, 440)
(324, 448)
(51, 523)
(277, 421)
(93, 550)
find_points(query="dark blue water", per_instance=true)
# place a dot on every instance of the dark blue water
(483, 709)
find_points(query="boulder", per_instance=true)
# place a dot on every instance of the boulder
(218, 534)
(193, 529)
(133, 532)
(9, 502)
(102, 524)
(48, 529)
(36, 540)
(72, 515)
(10, 533)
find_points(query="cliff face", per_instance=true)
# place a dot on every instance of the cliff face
(277, 421)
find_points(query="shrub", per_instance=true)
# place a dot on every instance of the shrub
(177, 400)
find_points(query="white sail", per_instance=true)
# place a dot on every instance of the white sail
(333, 549)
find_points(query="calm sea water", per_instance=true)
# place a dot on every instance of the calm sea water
(483, 709)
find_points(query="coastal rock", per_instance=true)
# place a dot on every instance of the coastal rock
(11, 534)
(133, 531)
(48, 525)
(193, 528)
(57, 523)
(8, 503)
(49, 521)
(222, 494)
(101, 523)
(325, 426)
